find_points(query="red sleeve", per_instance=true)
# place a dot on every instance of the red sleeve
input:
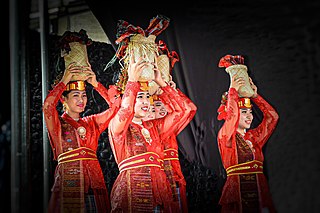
(102, 119)
(123, 117)
(51, 115)
(268, 123)
(120, 122)
(227, 132)
(169, 124)
(190, 109)
(110, 95)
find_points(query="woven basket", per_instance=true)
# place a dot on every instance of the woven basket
(164, 67)
(79, 55)
(144, 47)
(241, 71)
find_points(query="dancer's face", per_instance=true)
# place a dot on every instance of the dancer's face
(142, 104)
(160, 109)
(245, 119)
(151, 113)
(76, 101)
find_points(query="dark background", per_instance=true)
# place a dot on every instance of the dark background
(281, 46)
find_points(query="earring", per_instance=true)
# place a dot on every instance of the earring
(65, 107)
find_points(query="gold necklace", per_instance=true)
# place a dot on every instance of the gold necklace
(145, 132)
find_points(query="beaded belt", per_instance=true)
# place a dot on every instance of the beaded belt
(250, 167)
(81, 153)
(171, 154)
(141, 160)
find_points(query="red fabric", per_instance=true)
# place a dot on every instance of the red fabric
(177, 175)
(128, 141)
(81, 153)
(126, 30)
(141, 160)
(229, 60)
(171, 143)
(249, 167)
(63, 137)
(173, 55)
(230, 198)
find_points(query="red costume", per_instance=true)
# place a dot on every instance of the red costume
(78, 171)
(171, 157)
(142, 184)
(246, 188)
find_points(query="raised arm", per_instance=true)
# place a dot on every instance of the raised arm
(228, 129)
(268, 123)
(169, 96)
(190, 111)
(113, 99)
(124, 115)
(51, 115)
(227, 132)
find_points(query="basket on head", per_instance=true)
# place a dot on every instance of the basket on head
(242, 71)
(74, 50)
(235, 65)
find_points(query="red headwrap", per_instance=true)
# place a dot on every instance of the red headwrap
(229, 60)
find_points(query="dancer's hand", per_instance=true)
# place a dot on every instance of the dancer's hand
(91, 76)
(135, 68)
(157, 75)
(254, 88)
(237, 82)
(71, 71)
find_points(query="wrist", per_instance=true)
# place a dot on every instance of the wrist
(162, 83)
(132, 80)
(254, 95)
(95, 84)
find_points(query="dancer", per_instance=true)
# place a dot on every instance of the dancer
(246, 188)
(137, 145)
(78, 180)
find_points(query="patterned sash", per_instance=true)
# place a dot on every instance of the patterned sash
(171, 154)
(141, 160)
(82, 153)
(251, 167)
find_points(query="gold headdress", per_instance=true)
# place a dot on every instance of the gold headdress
(243, 103)
(76, 85)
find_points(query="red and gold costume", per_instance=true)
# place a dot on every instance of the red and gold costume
(246, 188)
(172, 165)
(142, 184)
(78, 170)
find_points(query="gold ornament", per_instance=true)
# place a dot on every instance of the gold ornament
(82, 132)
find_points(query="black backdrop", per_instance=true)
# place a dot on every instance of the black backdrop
(280, 44)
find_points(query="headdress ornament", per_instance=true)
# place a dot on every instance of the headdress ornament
(243, 103)
(76, 85)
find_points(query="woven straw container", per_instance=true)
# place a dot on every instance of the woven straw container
(146, 48)
(242, 71)
(163, 63)
(77, 55)
(164, 67)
